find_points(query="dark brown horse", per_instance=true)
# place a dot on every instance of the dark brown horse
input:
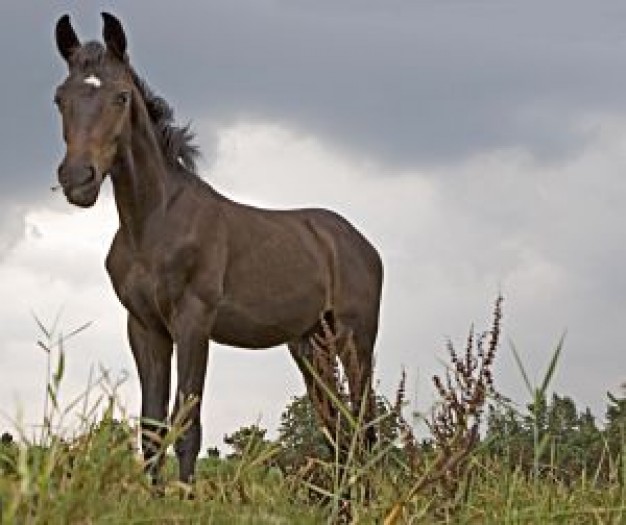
(189, 264)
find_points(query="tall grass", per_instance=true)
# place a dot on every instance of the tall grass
(94, 474)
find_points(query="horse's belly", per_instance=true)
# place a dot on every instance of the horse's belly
(242, 327)
(243, 340)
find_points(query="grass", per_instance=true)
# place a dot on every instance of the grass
(113, 490)
(95, 475)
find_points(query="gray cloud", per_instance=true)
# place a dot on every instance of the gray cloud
(411, 83)
(407, 83)
(420, 94)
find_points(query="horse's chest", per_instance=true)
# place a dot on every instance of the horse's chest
(150, 288)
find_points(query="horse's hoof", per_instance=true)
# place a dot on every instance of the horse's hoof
(186, 491)
(158, 491)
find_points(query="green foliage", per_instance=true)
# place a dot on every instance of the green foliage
(8, 454)
(248, 439)
(68, 477)
(213, 452)
(574, 444)
(301, 439)
(299, 435)
(553, 438)
(95, 475)
(616, 417)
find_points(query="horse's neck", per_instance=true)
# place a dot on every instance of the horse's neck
(140, 183)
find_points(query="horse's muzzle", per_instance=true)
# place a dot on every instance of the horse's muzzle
(81, 184)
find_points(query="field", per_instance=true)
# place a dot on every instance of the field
(484, 462)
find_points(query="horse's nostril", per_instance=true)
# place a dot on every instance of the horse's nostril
(62, 174)
(91, 174)
(71, 175)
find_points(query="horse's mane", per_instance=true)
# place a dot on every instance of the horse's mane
(176, 141)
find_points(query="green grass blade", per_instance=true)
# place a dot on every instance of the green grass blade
(552, 366)
(518, 361)
(58, 373)
(41, 325)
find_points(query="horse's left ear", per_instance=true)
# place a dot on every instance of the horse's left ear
(114, 37)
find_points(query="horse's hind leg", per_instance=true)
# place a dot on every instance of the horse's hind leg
(357, 358)
(327, 413)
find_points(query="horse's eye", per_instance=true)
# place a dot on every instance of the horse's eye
(122, 98)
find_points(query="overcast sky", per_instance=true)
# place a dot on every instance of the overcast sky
(481, 145)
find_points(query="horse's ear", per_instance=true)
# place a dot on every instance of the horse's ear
(114, 37)
(67, 41)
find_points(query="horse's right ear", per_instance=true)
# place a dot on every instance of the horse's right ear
(67, 41)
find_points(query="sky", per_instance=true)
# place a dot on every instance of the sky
(480, 145)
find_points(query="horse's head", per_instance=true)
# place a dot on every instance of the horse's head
(94, 101)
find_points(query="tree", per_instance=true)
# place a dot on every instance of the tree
(616, 416)
(616, 431)
(299, 434)
(8, 454)
(213, 452)
(248, 439)
(575, 440)
(301, 438)
(562, 417)
(570, 441)
(509, 436)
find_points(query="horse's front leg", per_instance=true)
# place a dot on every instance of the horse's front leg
(152, 349)
(192, 348)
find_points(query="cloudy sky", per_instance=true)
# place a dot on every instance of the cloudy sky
(481, 145)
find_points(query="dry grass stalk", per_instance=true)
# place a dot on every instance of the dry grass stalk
(468, 382)
(456, 418)
(407, 437)
(325, 361)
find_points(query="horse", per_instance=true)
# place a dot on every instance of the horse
(191, 265)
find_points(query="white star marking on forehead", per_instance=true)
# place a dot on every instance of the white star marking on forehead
(93, 80)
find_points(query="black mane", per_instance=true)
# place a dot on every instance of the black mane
(176, 141)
